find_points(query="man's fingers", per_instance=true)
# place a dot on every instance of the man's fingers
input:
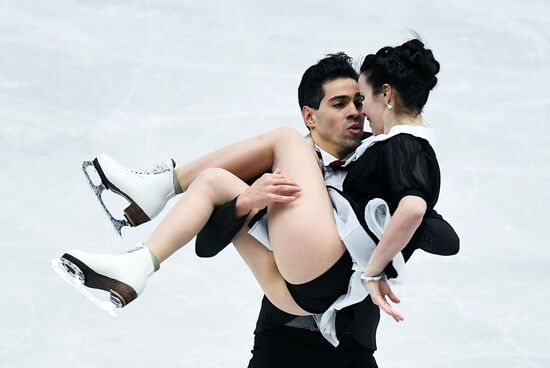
(286, 189)
(276, 198)
(282, 180)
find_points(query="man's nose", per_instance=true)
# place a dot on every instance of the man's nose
(354, 111)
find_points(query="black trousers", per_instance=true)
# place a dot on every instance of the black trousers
(290, 347)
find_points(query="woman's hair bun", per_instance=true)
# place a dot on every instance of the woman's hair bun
(418, 57)
(410, 68)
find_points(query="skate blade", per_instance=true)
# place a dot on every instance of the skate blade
(98, 189)
(76, 279)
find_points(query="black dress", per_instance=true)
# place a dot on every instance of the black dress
(390, 169)
(394, 168)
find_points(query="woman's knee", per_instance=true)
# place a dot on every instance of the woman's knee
(211, 176)
(219, 184)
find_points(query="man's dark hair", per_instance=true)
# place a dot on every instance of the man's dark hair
(333, 66)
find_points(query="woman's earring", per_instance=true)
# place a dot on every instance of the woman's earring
(389, 106)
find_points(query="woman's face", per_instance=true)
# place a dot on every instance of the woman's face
(373, 106)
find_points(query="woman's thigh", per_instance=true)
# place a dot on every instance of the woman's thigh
(303, 233)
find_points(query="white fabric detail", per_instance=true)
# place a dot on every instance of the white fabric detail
(377, 216)
(259, 231)
(423, 132)
(360, 246)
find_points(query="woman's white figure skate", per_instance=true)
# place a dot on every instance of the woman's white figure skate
(123, 276)
(148, 191)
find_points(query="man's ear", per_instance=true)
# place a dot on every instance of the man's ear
(308, 116)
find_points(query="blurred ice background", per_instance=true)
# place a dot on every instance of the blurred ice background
(146, 80)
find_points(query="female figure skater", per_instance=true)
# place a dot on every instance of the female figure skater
(397, 166)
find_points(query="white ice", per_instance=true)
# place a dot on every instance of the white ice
(146, 80)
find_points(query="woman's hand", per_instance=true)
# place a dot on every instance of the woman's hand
(378, 291)
(269, 188)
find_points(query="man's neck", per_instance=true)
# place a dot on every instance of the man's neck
(332, 151)
(336, 153)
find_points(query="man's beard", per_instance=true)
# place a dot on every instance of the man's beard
(350, 145)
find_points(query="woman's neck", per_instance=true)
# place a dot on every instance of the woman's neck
(403, 119)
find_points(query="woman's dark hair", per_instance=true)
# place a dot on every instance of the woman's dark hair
(409, 69)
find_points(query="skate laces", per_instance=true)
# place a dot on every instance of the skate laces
(158, 169)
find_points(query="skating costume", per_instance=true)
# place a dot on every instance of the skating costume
(392, 166)
(396, 164)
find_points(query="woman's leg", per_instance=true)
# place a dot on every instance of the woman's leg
(246, 159)
(214, 187)
(262, 264)
(304, 235)
(211, 188)
(303, 232)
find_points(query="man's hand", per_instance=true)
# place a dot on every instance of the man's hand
(378, 291)
(269, 188)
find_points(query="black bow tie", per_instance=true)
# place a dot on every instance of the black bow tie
(337, 165)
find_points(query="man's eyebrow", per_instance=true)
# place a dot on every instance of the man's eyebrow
(340, 97)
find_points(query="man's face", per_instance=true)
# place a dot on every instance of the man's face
(337, 126)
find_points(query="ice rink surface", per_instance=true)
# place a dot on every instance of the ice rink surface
(149, 80)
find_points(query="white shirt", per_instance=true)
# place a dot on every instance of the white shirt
(334, 178)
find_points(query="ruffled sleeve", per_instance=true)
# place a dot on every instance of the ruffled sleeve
(411, 169)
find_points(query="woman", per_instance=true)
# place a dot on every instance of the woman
(395, 83)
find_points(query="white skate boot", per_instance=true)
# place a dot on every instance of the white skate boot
(123, 275)
(148, 191)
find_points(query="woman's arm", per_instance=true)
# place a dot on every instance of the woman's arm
(402, 226)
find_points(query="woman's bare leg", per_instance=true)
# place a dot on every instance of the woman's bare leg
(303, 232)
(301, 252)
(212, 187)
(262, 264)
(246, 159)
(215, 187)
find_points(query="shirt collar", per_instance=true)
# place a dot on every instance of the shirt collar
(326, 158)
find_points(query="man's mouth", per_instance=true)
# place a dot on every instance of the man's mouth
(355, 129)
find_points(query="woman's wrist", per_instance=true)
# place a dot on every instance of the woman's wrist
(374, 278)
